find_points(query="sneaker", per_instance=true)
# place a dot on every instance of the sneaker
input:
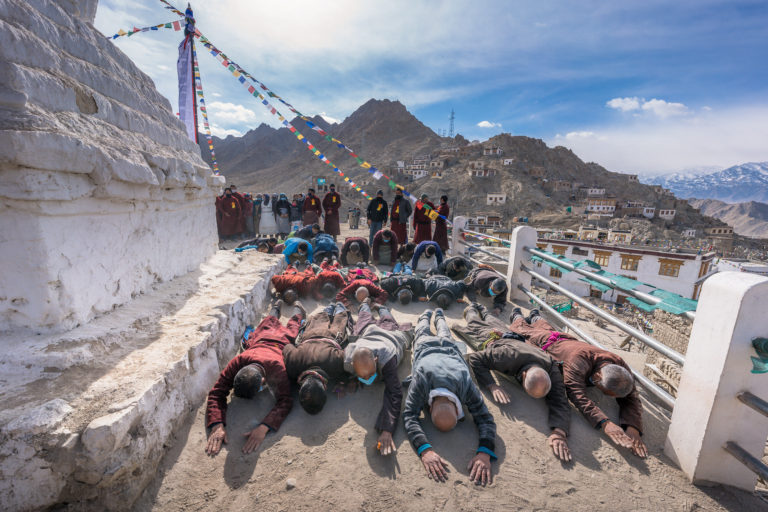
(439, 313)
(330, 308)
(515, 313)
(472, 306)
(533, 316)
(426, 315)
(482, 310)
(277, 305)
(299, 309)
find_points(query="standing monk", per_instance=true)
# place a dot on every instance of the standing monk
(331, 205)
(421, 222)
(240, 199)
(231, 212)
(311, 209)
(401, 211)
(441, 226)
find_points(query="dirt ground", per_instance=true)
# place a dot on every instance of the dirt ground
(333, 460)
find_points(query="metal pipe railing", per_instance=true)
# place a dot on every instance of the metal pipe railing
(489, 253)
(647, 340)
(647, 383)
(754, 402)
(483, 235)
(650, 299)
(753, 463)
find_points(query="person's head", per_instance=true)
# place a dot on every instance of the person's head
(536, 381)
(429, 251)
(263, 247)
(364, 365)
(613, 380)
(443, 199)
(424, 197)
(405, 296)
(443, 300)
(272, 242)
(310, 192)
(302, 248)
(459, 264)
(498, 286)
(290, 296)
(228, 191)
(328, 290)
(380, 194)
(361, 294)
(248, 381)
(399, 192)
(354, 247)
(313, 390)
(233, 187)
(283, 196)
(443, 413)
(410, 247)
(386, 236)
(333, 187)
(315, 229)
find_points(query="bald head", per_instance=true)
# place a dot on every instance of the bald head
(444, 414)
(536, 382)
(361, 294)
(363, 362)
(290, 296)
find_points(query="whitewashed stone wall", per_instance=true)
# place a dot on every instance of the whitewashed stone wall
(101, 192)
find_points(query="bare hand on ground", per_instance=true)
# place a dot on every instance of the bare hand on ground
(437, 468)
(557, 441)
(617, 435)
(216, 439)
(499, 395)
(385, 443)
(638, 446)
(255, 437)
(480, 469)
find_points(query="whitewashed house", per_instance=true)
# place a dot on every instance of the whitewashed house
(495, 199)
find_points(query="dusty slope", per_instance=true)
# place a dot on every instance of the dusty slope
(748, 219)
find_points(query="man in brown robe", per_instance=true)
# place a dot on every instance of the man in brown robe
(231, 212)
(586, 365)
(311, 210)
(331, 205)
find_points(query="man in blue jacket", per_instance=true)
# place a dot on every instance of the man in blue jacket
(441, 383)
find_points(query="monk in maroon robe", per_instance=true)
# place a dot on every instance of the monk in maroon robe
(331, 205)
(242, 200)
(421, 222)
(398, 216)
(441, 226)
(311, 210)
(231, 212)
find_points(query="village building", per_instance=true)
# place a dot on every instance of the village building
(422, 160)
(678, 272)
(667, 214)
(482, 173)
(601, 205)
(440, 163)
(649, 211)
(689, 233)
(558, 185)
(595, 191)
(619, 236)
(471, 150)
(537, 172)
(492, 151)
(509, 161)
(632, 178)
(496, 199)
(488, 220)
(436, 173)
(720, 237)
(476, 164)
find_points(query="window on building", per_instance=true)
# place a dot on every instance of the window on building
(629, 262)
(669, 268)
(559, 249)
(553, 272)
(541, 247)
(704, 269)
(580, 252)
(601, 258)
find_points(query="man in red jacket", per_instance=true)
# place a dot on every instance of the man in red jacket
(260, 365)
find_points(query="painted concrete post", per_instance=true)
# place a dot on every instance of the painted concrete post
(457, 248)
(522, 236)
(707, 413)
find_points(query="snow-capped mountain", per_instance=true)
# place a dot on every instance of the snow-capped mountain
(740, 183)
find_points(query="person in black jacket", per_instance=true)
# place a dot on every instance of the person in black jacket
(378, 212)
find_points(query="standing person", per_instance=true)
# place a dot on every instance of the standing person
(230, 211)
(256, 214)
(421, 222)
(240, 199)
(295, 210)
(377, 215)
(357, 213)
(331, 205)
(441, 226)
(218, 209)
(312, 209)
(248, 214)
(282, 211)
(267, 224)
(401, 212)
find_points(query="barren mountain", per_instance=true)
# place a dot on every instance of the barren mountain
(745, 182)
(748, 219)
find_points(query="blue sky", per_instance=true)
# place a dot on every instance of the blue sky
(648, 87)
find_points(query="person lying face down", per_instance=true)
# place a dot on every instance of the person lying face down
(444, 291)
(498, 348)
(456, 267)
(487, 283)
(427, 256)
(317, 358)
(361, 289)
(585, 365)
(403, 288)
(384, 248)
(355, 250)
(297, 251)
(373, 357)
(260, 366)
(441, 381)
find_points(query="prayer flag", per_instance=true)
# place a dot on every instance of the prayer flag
(433, 215)
(377, 175)
(176, 26)
(392, 184)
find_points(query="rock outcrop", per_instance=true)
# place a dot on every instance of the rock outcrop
(101, 192)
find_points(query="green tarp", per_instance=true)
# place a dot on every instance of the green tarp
(599, 286)
(674, 303)
(641, 305)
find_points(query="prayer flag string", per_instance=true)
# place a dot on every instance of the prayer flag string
(176, 25)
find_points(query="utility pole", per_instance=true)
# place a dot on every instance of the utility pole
(453, 116)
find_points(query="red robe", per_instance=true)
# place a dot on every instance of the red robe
(217, 207)
(312, 210)
(292, 278)
(241, 219)
(398, 228)
(423, 224)
(346, 295)
(441, 228)
(331, 204)
(231, 213)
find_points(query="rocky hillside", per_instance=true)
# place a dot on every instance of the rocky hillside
(740, 183)
(748, 219)
(383, 132)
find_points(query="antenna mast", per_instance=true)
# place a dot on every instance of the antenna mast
(453, 116)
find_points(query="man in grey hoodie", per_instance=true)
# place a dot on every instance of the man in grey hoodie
(442, 383)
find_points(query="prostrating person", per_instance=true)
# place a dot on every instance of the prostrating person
(384, 248)
(487, 283)
(355, 250)
(426, 257)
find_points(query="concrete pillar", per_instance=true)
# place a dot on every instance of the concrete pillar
(522, 236)
(459, 223)
(707, 413)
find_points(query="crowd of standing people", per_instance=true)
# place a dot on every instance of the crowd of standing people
(242, 215)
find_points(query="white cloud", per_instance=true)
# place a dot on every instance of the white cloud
(331, 120)
(579, 135)
(651, 145)
(223, 132)
(231, 113)
(488, 124)
(216, 95)
(664, 109)
(624, 104)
